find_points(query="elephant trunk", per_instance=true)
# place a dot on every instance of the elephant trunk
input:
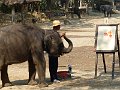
(70, 47)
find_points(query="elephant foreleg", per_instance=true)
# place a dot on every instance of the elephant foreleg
(106, 14)
(79, 16)
(32, 72)
(40, 63)
(110, 14)
(4, 77)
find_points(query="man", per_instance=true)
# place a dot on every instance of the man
(53, 60)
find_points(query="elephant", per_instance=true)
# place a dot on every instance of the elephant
(22, 42)
(75, 10)
(106, 9)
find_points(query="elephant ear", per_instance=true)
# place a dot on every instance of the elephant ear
(47, 38)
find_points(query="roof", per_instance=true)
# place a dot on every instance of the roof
(11, 2)
(117, 0)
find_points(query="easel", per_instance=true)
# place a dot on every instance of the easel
(116, 49)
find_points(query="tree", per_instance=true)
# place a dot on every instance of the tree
(76, 3)
(48, 2)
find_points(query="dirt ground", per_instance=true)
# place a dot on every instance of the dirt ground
(82, 58)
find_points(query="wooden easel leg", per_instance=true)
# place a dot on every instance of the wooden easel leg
(119, 57)
(118, 52)
(104, 62)
(96, 62)
(113, 65)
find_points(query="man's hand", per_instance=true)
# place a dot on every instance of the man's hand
(63, 34)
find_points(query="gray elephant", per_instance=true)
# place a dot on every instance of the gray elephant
(20, 43)
(106, 9)
(75, 10)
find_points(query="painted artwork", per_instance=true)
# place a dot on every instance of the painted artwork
(106, 38)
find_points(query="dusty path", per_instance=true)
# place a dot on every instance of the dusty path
(82, 59)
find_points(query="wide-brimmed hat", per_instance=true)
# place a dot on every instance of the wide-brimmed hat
(56, 22)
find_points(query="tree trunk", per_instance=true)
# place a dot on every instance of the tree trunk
(66, 8)
(80, 3)
(23, 13)
(76, 3)
(48, 5)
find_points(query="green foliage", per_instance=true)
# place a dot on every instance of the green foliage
(5, 9)
(54, 5)
(43, 5)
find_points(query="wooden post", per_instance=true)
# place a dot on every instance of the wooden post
(66, 7)
(113, 3)
(118, 49)
(80, 3)
(23, 15)
(23, 12)
(96, 62)
(13, 14)
(38, 6)
(113, 65)
(104, 62)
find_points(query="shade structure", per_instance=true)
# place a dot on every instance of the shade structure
(117, 0)
(11, 2)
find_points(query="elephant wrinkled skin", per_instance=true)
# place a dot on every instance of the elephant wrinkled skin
(20, 43)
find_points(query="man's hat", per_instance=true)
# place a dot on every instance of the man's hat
(56, 22)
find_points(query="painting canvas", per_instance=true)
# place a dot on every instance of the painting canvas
(106, 38)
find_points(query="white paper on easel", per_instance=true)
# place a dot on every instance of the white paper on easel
(106, 38)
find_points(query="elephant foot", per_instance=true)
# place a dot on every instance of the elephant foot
(43, 85)
(32, 82)
(7, 84)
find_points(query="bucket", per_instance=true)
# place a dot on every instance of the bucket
(63, 74)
